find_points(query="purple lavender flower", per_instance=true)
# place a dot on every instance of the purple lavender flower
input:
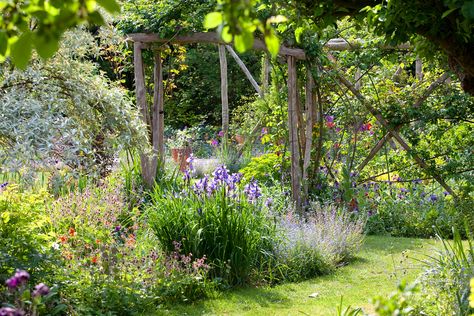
(404, 190)
(117, 228)
(269, 202)
(41, 290)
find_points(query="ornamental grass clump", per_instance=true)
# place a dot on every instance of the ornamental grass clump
(315, 244)
(218, 218)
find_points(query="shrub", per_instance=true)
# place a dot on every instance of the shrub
(314, 244)
(23, 238)
(266, 167)
(215, 218)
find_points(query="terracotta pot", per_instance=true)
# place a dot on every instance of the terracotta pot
(239, 139)
(180, 155)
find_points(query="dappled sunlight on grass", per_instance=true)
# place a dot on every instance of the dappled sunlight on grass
(381, 264)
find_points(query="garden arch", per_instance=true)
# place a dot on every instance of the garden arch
(300, 130)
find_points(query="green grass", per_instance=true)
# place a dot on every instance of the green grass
(381, 264)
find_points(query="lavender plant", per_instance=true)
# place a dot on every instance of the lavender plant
(315, 244)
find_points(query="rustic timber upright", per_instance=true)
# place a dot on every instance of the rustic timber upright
(300, 129)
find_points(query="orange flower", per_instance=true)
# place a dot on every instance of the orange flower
(94, 259)
(97, 241)
(63, 239)
(68, 255)
(72, 232)
(131, 240)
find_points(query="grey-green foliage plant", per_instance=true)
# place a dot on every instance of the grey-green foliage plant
(446, 279)
(65, 110)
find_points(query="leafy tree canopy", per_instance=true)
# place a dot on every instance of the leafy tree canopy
(448, 24)
(39, 25)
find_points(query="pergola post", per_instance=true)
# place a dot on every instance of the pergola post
(310, 120)
(293, 133)
(158, 122)
(224, 93)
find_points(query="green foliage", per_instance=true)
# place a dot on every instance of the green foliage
(234, 234)
(24, 239)
(446, 280)
(266, 168)
(399, 303)
(39, 25)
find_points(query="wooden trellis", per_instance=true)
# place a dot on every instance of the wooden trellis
(300, 131)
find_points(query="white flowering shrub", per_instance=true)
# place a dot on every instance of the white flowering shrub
(65, 110)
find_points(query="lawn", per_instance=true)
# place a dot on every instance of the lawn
(381, 264)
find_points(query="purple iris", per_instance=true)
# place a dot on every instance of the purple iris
(233, 180)
(404, 190)
(269, 202)
(252, 190)
(221, 174)
(201, 185)
(190, 161)
(186, 175)
(329, 118)
(3, 185)
(433, 197)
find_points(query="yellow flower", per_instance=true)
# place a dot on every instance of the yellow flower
(471, 296)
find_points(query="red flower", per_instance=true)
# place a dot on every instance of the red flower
(72, 232)
(63, 239)
(330, 124)
(94, 259)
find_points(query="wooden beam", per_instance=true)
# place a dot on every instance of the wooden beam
(245, 70)
(266, 73)
(337, 44)
(293, 132)
(394, 133)
(209, 38)
(388, 136)
(158, 107)
(224, 87)
(309, 104)
(140, 92)
(418, 69)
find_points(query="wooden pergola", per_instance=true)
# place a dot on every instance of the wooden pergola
(300, 130)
